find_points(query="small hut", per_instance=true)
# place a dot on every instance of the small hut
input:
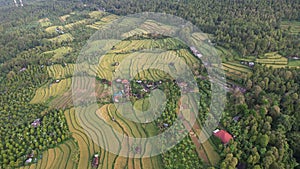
(116, 64)
(95, 161)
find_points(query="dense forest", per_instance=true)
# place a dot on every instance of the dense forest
(267, 132)
(268, 126)
(250, 27)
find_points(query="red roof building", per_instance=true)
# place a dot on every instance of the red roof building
(223, 135)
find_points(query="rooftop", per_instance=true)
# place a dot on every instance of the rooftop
(223, 135)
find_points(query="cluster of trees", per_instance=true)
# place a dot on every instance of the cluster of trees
(268, 130)
(18, 136)
(267, 133)
(250, 27)
(19, 29)
(183, 154)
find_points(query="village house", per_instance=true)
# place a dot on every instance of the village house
(23, 69)
(192, 134)
(195, 52)
(223, 135)
(118, 80)
(150, 84)
(183, 84)
(115, 64)
(113, 118)
(184, 106)
(171, 64)
(58, 30)
(236, 118)
(137, 150)
(117, 97)
(165, 125)
(95, 161)
(29, 160)
(127, 89)
(36, 123)
(139, 81)
(251, 64)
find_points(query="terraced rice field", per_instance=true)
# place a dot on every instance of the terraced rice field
(86, 146)
(199, 36)
(107, 160)
(51, 29)
(273, 59)
(45, 22)
(205, 150)
(64, 17)
(294, 63)
(59, 157)
(97, 25)
(152, 74)
(61, 94)
(109, 18)
(96, 14)
(212, 155)
(102, 19)
(59, 53)
(59, 71)
(134, 45)
(148, 27)
(153, 25)
(67, 37)
(71, 25)
(127, 48)
(278, 61)
(189, 58)
(50, 91)
(234, 75)
(236, 67)
(146, 58)
(236, 71)
(294, 26)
